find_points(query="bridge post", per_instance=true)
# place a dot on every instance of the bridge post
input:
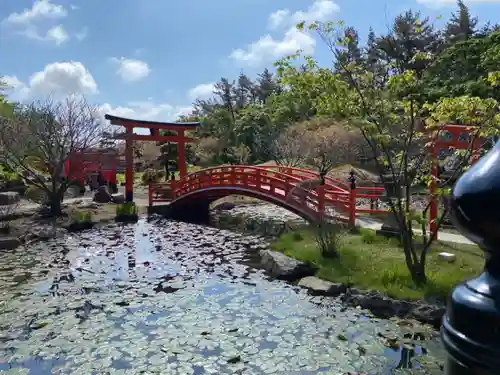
(321, 201)
(150, 194)
(129, 159)
(352, 198)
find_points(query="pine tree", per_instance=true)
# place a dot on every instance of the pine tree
(266, 85)
(461, 26)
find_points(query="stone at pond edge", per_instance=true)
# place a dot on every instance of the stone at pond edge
(9, 197)
(317, 286)
(127, 218)
(385, 307)
(102, 195)
(283, 267)
(9, 243)
(225, 206)
(47, 232)
(118, 198)
(76, 227)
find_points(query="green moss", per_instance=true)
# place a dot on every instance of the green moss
(372, 262)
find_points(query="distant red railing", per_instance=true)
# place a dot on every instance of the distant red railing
(276, 184)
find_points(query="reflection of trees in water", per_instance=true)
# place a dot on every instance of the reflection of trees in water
(407, 354)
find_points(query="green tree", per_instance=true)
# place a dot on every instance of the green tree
(388, 120)
(464, 69)
(461, 26)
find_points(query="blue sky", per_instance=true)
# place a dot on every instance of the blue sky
(150, 58)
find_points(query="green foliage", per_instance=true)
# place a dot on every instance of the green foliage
(368, 236)
(125, 210)
(80, 217)
(152, 175)
(464, 68)
(328, 239)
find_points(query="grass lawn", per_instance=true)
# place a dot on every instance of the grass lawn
(371, 262)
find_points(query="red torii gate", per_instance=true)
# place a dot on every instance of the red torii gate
(154, 128)
(446, 139)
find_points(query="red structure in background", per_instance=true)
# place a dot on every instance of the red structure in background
(80, 165)
(450, 138)
(154, 135)
(190, 197)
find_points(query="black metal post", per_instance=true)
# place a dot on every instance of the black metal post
(471, 326)
(352, 179)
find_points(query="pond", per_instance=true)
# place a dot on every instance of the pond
(172, 298)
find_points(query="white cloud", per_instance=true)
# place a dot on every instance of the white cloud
(443, 3)
(58, 79)
(33, 23)
(58, 35)
(41, 9)
(320, 11)
(203, 91)
(131, 70)
(147, 110)
(268, 49)
(82, 34)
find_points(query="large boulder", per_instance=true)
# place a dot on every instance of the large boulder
(317, 286)
(102, 195)
(283, 267)
(9, 197)
(9, 243)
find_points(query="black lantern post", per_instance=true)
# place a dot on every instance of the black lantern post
(471, 326)
(352, 179)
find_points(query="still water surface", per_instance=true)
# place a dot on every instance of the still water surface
(171, 298)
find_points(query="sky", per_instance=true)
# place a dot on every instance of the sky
(150, 59)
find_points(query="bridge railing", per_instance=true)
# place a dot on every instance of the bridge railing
(328, 200)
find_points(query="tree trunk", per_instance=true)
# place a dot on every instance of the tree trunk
(56, 203)
(418, 274)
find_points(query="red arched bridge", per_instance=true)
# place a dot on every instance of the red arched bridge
(297, 190)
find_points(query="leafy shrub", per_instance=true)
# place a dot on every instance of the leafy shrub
(152, 175)
(126, 210)
(297, 236)
(328, 239)
(81, 217)
(368, 236)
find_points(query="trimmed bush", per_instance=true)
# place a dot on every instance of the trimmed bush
(81, 221)
(127, 212)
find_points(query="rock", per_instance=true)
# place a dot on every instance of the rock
(9, 197)
(102, 195)
(118, 198)
(447, 257)
(225, 206)
(9, 243)
(47, 232)
(317, 286)
(385, 307)
(88, 204)
(283, 267)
